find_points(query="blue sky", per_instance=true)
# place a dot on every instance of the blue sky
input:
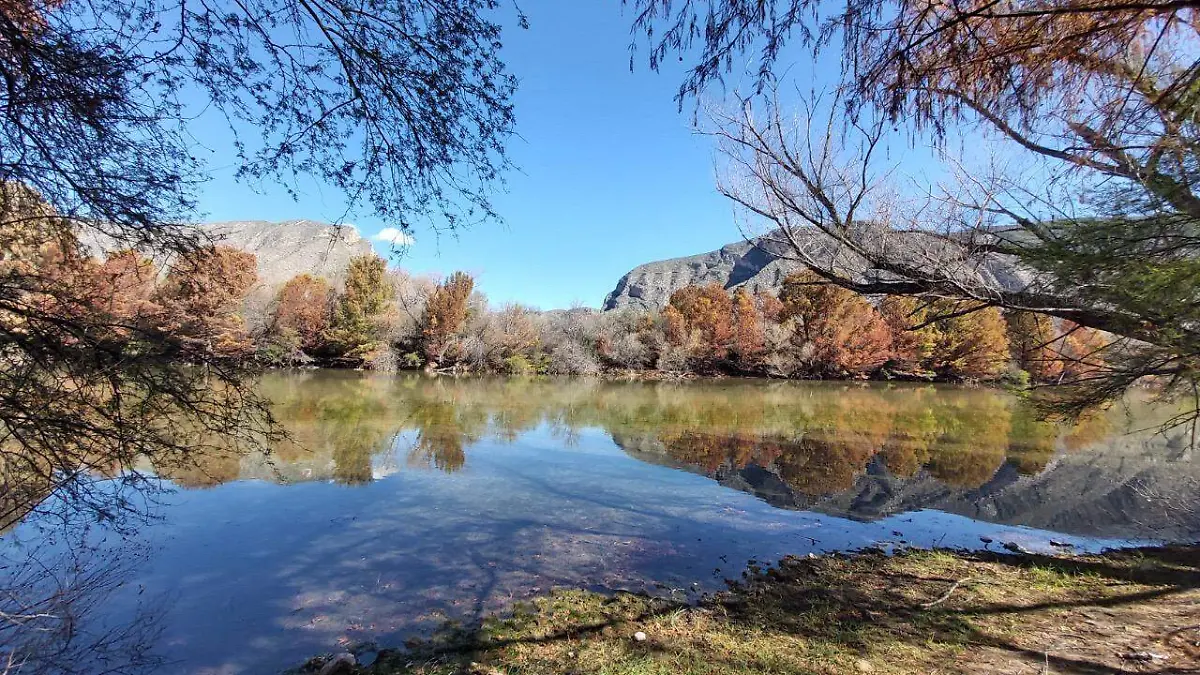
(609, 173)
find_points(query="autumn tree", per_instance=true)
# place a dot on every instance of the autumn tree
(946, 339)
(300, 317)
(1096, 98)
(702, 317)
(355, 331)
(202, 295)
(125, 286)
(838, 330)
(445, 313)
(112, 376)
(1035, 345)
(747, 329)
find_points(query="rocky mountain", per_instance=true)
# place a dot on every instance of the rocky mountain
(762, 263)
(292, 247)
(283, 249)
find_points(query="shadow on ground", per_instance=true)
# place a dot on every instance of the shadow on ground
(1133, 611)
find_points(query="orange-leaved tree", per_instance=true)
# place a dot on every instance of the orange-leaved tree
(837, 331)
(203, 294)
(748, 339)
(302, 308)
(701, 316)
(445, 314)
(946, 338)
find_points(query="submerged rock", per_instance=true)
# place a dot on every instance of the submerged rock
(339, 664)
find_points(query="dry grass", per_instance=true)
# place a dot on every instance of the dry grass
(920, 612)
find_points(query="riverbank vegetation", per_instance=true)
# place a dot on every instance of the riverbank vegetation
(376, 317)
(915, 612)
(1067, 131)
(384, 319)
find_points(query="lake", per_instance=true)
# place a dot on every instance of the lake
(401, 502)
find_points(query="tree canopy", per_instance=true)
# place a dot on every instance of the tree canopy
(1096, 100)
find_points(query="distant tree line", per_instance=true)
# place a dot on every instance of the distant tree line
(385, 319)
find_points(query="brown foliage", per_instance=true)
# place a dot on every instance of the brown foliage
(125, 285)
(202, 296)
(303, 306)
(705, 312)
(747, 330)
(445, 313)
(839, 328)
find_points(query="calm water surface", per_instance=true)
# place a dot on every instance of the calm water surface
(400, 502)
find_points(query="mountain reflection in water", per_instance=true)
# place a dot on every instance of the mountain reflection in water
(401, 502)
(855, 450)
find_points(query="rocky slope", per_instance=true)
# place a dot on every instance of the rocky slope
(761, 264)
(292, 247)
(283, 249)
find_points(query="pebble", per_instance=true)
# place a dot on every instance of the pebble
(639, 636)
(864, 666)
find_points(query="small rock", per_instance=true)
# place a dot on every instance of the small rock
(1143, 656)
(639, 636)
(1014, 547)
(341, 663)
(864, 666)
(1061, 544)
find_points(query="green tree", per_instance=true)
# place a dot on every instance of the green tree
(355, 333)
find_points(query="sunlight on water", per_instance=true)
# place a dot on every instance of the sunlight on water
(401, 502)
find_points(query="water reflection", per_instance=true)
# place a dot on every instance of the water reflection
(819, 438)
(397, 503)
(796, 445)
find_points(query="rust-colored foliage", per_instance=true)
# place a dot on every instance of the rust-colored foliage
(445, 313)
(126, 282)
(1083, 351)
(839, 330)
(972, 345)
(705, 313)
(769, 306)
(303, 306)
(202, 296)
(747, 329)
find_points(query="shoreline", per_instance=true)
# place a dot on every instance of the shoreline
(660, 376)
(918, 610)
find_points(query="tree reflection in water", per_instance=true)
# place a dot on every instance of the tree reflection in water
(54, 608)
(817, 437)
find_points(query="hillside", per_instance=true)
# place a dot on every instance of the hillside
(283, 249)
(760, 264)
(293, 247)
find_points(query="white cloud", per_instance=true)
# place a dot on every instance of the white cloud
(395, 237)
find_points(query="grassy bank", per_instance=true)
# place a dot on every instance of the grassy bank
(919, 612)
